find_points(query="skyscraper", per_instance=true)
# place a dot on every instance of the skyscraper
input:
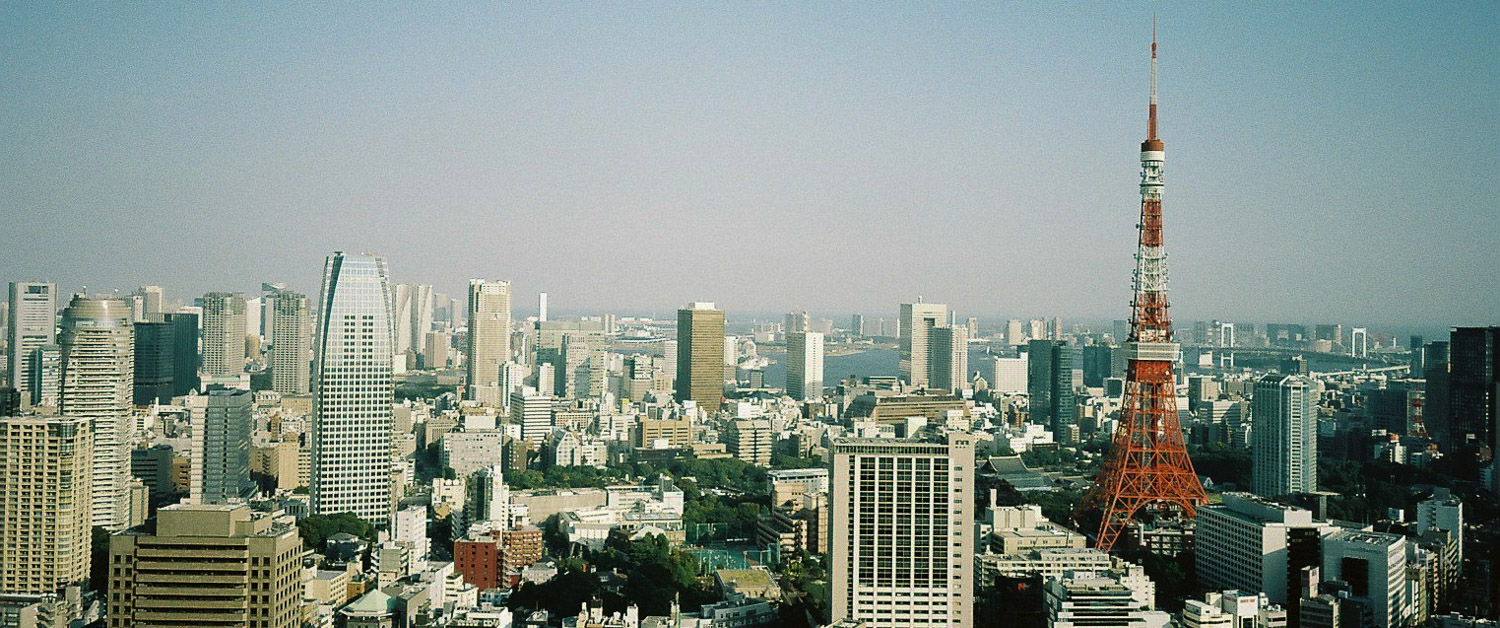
(1473, 353)
(220, 469)
(152, 301)
(804, 365)
(1049, 384)
(45, 375)
(414, 308)
(948, 358)
(224, 333)
(154, 353)
(290, 371)
(489, 337)
(351, 422)
(45, 503)
(185, 356)
(700, 356)
(32, 323)
(1284, 436)
(915, 325)
(901, 543)
(98, 359)
(796, 322)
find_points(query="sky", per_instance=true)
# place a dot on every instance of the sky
(1326, 162)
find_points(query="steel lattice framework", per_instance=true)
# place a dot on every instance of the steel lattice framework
(1147, 469)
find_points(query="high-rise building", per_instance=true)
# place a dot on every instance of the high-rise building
(1374, 566)
(98, 358)
(186, 358)
(353, 392)
(1049, 385)
(489, 337)
(154, 352)
(1098, 365)
(1283, 436)
(290, 348)
(902, 532)
(1418, 347)
(152, 300)
(207, 565)
(948, 358)
(220, 456)
(857, 325)
(32, 323)
(576, 351)
(45, 503)
(532, 410)
(804, 365)
(224, 333)
(700, 356)
(1015, 333)
(796, 322)
(1251, 544)
(414, 307)
(1010, 375)
(1473, 355)
(915, 329)
(45, 375)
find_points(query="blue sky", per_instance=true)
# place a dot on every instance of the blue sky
(1325, 162)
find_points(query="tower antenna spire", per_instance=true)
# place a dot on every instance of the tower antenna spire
(1151, 118)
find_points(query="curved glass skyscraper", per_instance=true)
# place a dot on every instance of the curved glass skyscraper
(351, 425)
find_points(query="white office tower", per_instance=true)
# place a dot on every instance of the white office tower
(224, 333)
(410, 527)
(351, 423)
(254, 316)
(532, 411)
(541, 304)
(901, 543)
(1250, 544)
(915, 328)
(669, 360)
(948, 358)
(98, 357)
(489, 337)
(1374, 565)
(1015, 333)
(414, 308)
(804, 365)
(1092, 600)
(290, 368)
(1283, 436)
(32, 324)
(1010, 375)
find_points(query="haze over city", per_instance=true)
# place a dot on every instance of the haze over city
(1327, 163)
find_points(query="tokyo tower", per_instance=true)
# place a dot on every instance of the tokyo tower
(1147, 469)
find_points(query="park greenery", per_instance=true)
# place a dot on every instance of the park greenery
(316, 530)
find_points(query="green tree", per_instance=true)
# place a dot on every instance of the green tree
(316, 529)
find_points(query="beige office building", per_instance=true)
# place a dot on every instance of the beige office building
(224, 333)
(98, 361)
(217, 565)
(291, 344)
(45, 503)
(749, 441)
(489, 338)
(916, 323)
(901, 544)
(700, 356)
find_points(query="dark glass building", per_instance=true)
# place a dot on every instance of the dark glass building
(185, 356)
(154, 367)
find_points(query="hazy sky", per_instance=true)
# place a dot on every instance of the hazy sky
(1328, 162)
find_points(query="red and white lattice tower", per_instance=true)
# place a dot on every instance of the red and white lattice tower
(1147, 469)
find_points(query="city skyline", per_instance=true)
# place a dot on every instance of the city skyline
(938, 134)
